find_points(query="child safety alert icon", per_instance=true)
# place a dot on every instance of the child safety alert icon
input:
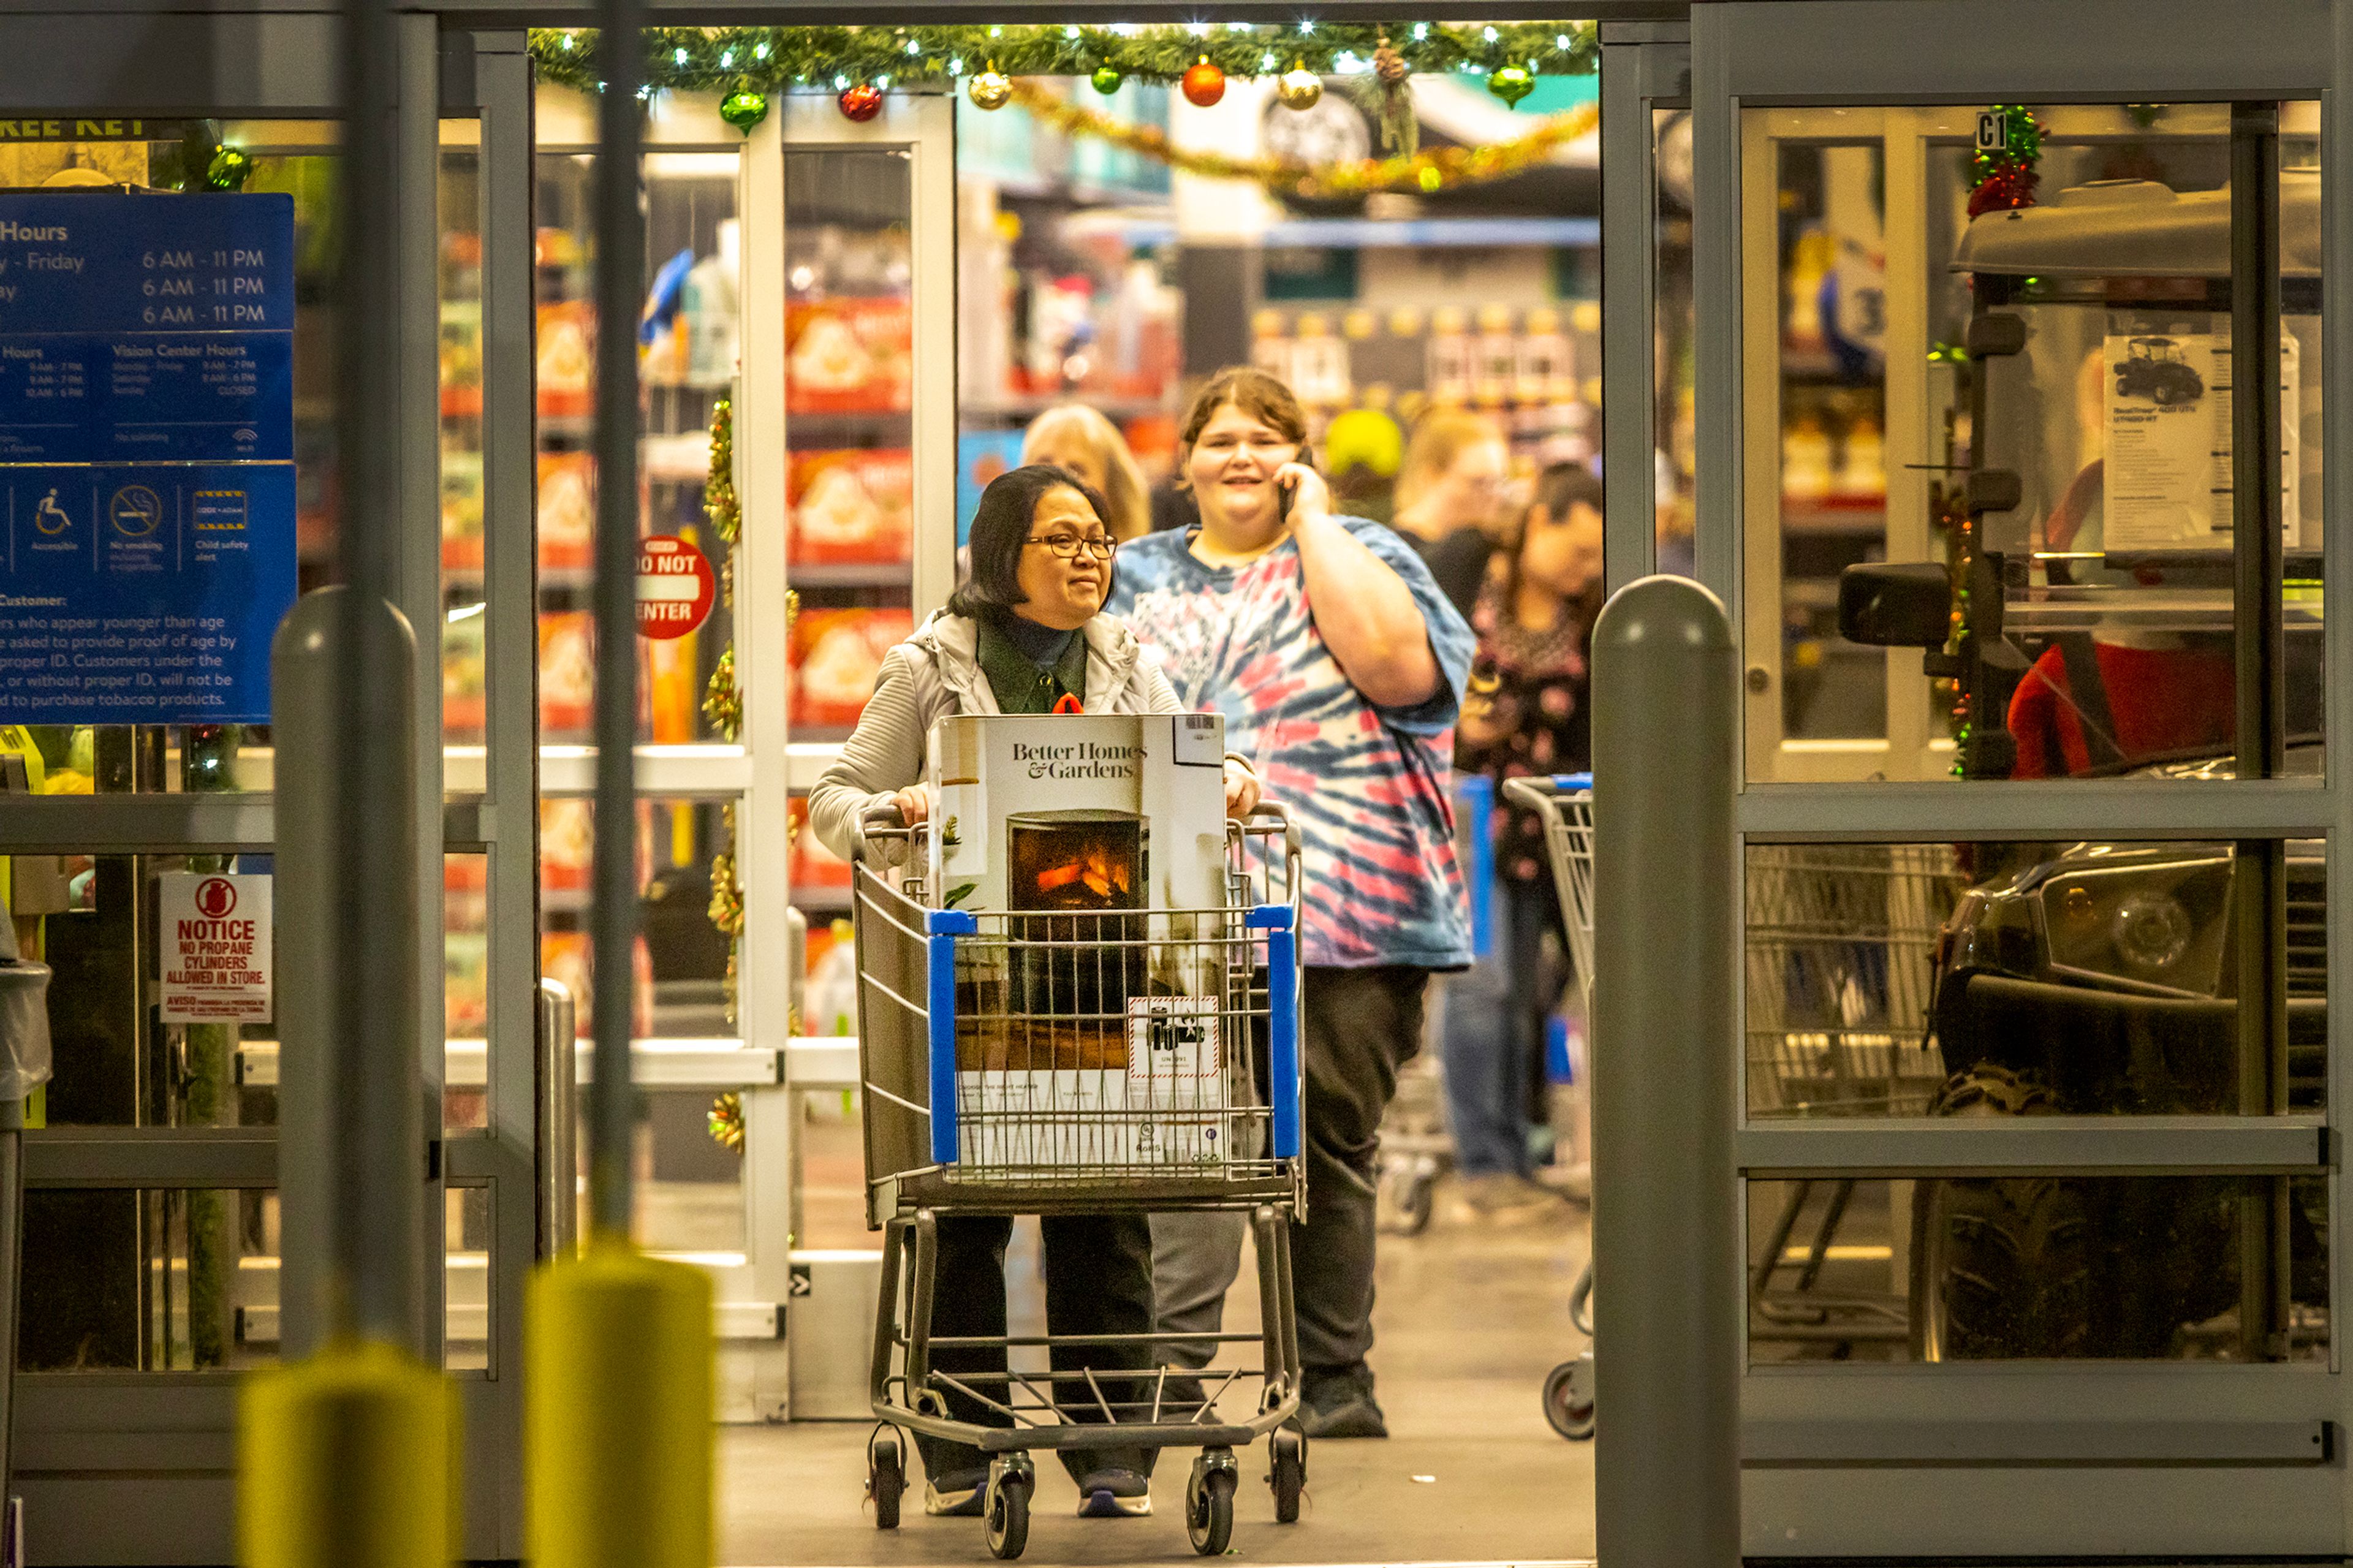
(675, 587)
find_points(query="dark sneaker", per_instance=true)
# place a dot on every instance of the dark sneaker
(1112, 1491)
(958, 1496)
(1340, 1403)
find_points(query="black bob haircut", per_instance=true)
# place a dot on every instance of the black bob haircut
(1001, 530)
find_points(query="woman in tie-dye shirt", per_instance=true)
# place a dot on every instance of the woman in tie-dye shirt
(1339, 667)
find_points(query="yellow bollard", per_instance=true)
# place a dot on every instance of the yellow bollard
(346, 1460)
(617, 1381)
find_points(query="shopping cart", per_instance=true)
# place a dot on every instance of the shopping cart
(1838, 940)
(1839, 945)
(1083, 1062)
(1564, 805)
(1417, 1146)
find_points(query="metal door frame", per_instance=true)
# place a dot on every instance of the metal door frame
(1645, 65)
(2159, 1459)
(139, 1466)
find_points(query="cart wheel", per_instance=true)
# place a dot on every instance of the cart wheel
(886, 1478)
(1008, 1513)
(1209, 1504)
(1568, 1401)
(1288, 1450)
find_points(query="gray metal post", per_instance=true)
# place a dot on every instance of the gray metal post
(613, 916)
(1667, 1254)
(353, 1142)
(559, 1119)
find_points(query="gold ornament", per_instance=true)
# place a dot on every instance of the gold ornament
(1299, 87)
(991, 88)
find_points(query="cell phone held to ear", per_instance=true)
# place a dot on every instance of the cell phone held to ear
(1285, 494)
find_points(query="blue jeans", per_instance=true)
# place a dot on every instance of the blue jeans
(1493, 1034)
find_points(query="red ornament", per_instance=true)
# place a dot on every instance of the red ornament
(860, 101)
(2005, 189)
(1204, 83)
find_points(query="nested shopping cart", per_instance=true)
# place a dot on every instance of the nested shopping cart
(1565, 804)
(1840, 942)
(1084, 1061)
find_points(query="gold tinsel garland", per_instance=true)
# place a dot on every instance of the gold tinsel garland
(1435, 169)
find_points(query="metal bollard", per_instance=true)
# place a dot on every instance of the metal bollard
(345, 1456)
(1666, 1235)
(559, 1121)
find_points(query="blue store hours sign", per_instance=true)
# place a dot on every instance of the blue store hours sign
(146, 455)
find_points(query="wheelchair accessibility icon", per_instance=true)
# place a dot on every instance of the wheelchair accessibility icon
(135, 510)
(50, 517)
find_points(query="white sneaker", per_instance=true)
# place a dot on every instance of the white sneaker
(957, 1500)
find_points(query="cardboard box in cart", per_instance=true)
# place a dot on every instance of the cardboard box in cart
(1092, 1035)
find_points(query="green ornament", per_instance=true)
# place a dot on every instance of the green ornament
(229, 169)
(1107, 80)
(743, 109)
(1510, 84)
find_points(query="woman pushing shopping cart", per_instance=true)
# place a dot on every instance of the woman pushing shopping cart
(1083, 1006)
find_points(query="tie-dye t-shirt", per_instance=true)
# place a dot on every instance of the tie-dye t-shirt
(1368, 786)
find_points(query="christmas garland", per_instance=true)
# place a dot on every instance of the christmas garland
(761, 60)
(1434, 170)
(2004, 176)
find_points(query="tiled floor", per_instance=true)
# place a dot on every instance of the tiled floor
(1468, 1322)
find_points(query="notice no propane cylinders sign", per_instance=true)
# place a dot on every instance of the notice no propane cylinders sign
(675, 587)
(216, 948)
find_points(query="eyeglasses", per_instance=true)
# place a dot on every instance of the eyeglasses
(1068, 545)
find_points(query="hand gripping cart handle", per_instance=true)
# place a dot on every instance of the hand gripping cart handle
(1092, 1061)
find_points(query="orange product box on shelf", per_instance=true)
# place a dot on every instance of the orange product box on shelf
(850, 508)
(567, 359)
(564, 957)
(567, 673)
(567, 831)
(836, 655)
(567, 511)
(812, 864)
(848, 356)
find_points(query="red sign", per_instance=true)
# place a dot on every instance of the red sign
(675, 587)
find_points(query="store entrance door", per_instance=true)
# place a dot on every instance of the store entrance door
(152, 1219)
(2012, 453)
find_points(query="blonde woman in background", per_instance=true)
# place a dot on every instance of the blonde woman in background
(1454, 494)
(1072, 436)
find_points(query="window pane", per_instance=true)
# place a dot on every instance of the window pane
(148, 1280)
(2011, 361)
(2022, 979)
(2031, 1267)
(685, 975)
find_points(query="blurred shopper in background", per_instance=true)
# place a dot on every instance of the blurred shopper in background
(1527, 714)
(1452, 491)
(1339, 667)
(1072, 436)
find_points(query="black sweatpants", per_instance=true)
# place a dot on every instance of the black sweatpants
(1098, 1281)
(1360, 1025)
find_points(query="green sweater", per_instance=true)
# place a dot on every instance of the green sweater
(1032, 667)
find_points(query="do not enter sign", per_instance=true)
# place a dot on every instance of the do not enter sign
(675, 587)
